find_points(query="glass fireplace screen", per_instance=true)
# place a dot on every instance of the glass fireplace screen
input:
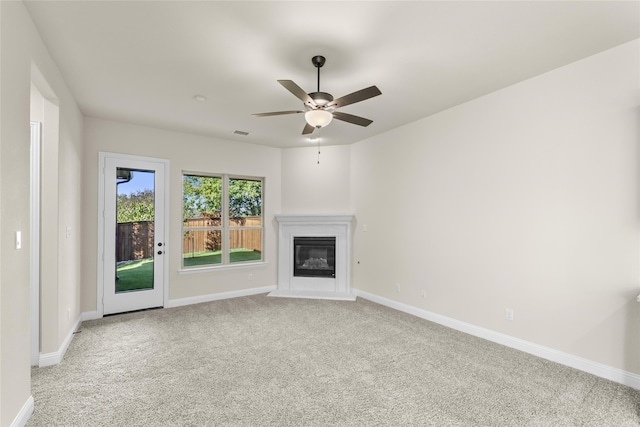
(314, 256)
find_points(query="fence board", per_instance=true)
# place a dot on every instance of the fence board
(134, 240)
(211, 240)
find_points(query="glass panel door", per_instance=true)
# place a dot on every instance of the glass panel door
(134, 246)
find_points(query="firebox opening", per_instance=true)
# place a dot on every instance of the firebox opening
(314, 256)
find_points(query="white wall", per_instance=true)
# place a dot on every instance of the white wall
(191, 153)
(22, 51)
(527, 198)
(309, 187)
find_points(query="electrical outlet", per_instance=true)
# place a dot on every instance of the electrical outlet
(18, 239)
(250, 277)
(397, 287)
(508, 313)
(424, 294)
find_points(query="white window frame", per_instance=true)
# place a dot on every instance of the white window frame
(225, 228)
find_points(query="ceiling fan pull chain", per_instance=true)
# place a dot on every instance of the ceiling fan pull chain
(318, 139)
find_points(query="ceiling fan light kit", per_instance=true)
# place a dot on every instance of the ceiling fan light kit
(320, 106)
(318, 118)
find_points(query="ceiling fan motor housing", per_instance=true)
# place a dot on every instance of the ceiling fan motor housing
(321, 98)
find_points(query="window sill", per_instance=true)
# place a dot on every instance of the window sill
(238, 266)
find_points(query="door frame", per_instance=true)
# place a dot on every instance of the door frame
(34, 230)
(102, 157)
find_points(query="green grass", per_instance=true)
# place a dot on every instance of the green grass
(138, 274)
(215, 257)
(135, 275)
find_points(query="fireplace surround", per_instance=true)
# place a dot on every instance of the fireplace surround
(314, 257)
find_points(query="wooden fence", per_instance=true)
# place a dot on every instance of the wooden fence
(211, 240)
(134, 240)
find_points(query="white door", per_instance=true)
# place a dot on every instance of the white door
(134, 246)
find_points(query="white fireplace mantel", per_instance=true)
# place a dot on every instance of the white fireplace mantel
(338, 226)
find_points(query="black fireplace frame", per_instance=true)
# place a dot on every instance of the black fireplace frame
(302, 246)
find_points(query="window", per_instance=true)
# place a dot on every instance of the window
(222, 220)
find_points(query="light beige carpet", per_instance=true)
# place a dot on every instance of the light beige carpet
(259, 361)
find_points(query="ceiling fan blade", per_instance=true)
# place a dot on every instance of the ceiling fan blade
(277, 113)
(308, 129)
(350, 118)
(354, 97)
(297, 91)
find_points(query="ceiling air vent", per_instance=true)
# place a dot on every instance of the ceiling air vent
(240, 132)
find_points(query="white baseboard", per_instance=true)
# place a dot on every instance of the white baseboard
(337, 296)
(49, 359)
(598, 369)
(219, 296)
(89, 315)
(25, 413)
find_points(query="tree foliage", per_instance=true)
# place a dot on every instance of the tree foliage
(245, 198)
(202, 197)
(138, 206)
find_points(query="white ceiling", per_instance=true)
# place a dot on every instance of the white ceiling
(144, 61)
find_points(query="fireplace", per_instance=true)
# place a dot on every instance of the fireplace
(314, 256)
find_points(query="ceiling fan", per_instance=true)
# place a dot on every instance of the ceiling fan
(320, 107)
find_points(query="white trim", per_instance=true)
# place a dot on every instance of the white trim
(24, 414)
(167, 222)
(102, 156)
(292, 226)
(219, 296)
(315, 219)
(220, 267)
(100, 263)
(224, 228)
(34, 218)
(89, 315)
(338, 296)
(49, 359)
(595, 368)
